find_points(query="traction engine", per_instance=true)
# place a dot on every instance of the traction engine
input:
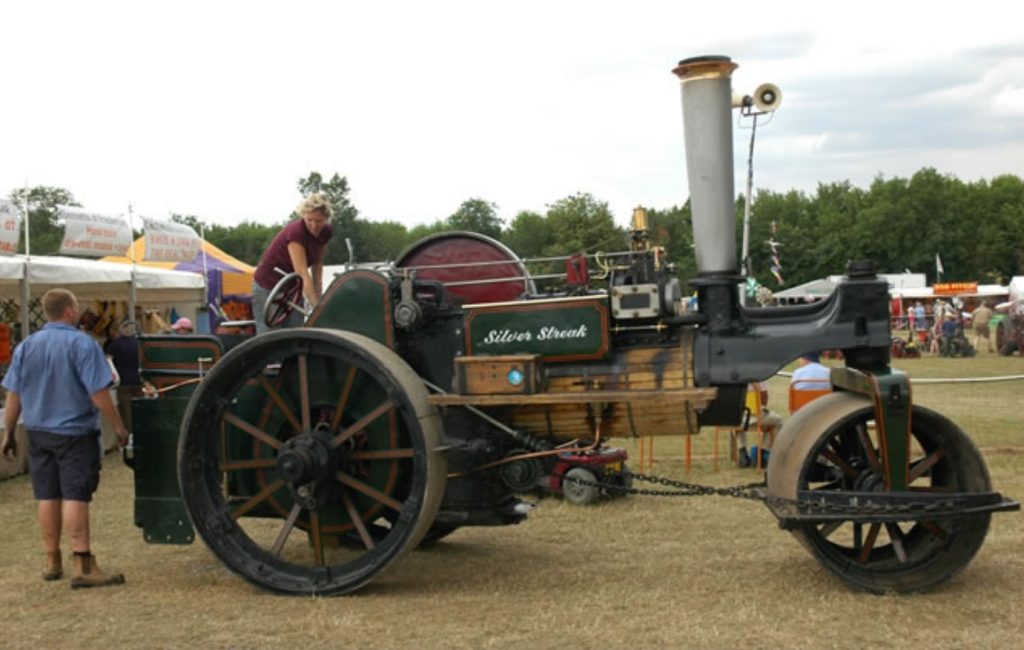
(429, 394)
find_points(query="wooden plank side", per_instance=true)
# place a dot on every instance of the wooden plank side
(618, 419)
(698, 396)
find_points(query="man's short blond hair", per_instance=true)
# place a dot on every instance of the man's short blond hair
(315, 202)
(56, 302)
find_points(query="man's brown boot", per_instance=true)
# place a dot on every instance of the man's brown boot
(54, 569)
(88, 574)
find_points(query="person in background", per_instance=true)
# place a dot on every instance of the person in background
(299, 247)
(949, 327)
(811, 375)
(123, 350)
(58, 379)
(936, 332)
(182, 326)
(980, 319)
(770, 424)
(920, 319)
(87, 323)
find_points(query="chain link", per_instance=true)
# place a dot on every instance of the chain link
(753, 492)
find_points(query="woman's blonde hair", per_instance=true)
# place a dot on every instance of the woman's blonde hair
(315, 202)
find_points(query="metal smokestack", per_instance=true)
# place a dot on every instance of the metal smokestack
(707, 127)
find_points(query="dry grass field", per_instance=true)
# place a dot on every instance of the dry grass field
(639, 572)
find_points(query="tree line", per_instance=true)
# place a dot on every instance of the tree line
(977, 228)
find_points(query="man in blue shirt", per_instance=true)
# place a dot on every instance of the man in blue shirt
(920, 319)
(811, 375)
(58, 381)
(949, 327)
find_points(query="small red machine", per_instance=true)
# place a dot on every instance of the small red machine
(576, 475)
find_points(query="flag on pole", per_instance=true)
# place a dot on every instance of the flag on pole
(10, 227)
(938, 265)
(167, 241)
(91, 234)
(773, 246)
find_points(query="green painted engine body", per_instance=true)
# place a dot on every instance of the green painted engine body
(558, 330)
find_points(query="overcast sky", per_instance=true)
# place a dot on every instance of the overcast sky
(217, 108)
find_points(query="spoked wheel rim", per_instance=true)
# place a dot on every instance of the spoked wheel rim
(299, 437)
(843, 454)
(282, 299)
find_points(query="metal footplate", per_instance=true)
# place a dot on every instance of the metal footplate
(823, 506)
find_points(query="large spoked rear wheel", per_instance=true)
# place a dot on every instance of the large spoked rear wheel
(300, 438)
(832, 444)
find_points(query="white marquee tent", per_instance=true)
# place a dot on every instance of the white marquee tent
(94, 280)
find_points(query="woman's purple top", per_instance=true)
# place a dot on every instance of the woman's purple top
(276, 254)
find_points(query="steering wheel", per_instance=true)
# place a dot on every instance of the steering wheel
(284, 298)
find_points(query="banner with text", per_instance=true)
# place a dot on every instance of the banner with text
(95, 235)
(169, 241)
(10, 227)
(954, 288)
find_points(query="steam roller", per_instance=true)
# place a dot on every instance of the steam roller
(436, 392)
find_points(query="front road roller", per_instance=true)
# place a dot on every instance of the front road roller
(837, 489)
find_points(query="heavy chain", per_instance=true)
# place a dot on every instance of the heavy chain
(681, 488)
(754, 492)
